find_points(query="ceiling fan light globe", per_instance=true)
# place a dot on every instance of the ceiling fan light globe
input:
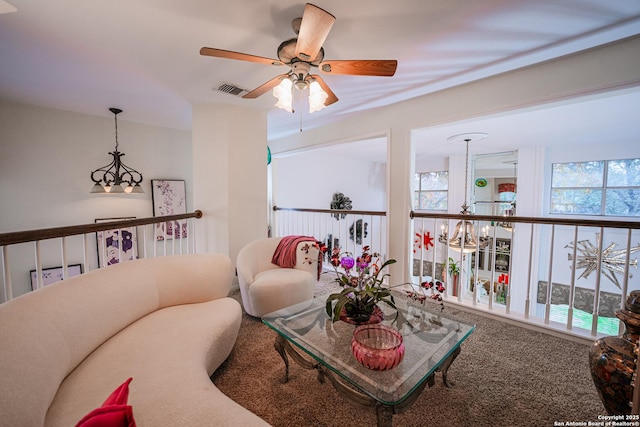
(284, 95)
(317, 97)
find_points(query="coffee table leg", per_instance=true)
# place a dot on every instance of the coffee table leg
(385, 416)
(280, 348)
(284, 348)
(444, 367)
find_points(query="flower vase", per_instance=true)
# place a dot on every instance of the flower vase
(612, 360)
(454, 291)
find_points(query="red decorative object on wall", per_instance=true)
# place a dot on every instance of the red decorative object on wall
(422, 240)
(507, 188)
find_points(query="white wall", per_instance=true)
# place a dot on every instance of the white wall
(310, 178)
(230, 172)
(46, 157)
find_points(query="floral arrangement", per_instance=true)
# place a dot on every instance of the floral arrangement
(362, 281)
(437, 289)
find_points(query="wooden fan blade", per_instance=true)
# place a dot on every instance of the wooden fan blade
(364, 67)
(228, 54)
(314, 29)
(331, 98)
(261, 90)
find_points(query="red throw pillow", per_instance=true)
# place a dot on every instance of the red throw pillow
(113, 412)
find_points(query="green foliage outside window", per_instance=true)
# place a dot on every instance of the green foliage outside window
(432, 189)
(609, 187)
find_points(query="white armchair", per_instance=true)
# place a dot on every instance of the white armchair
(267, 287)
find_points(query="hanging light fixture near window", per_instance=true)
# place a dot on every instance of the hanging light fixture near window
(464, 236)
(109, 178)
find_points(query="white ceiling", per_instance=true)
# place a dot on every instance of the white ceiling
(143, 55)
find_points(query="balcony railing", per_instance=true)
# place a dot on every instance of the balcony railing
(346, 229)
(32, 259)
(590, 264)
(587, 262)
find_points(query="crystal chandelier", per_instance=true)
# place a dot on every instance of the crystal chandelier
(109, 178)
(464, 236)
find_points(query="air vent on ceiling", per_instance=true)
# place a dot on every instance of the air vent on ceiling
(231, 89)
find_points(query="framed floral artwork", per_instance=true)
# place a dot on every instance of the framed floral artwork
(118, 245)
(169, 198)
(53, 275)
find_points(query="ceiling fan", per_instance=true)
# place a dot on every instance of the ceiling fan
(303, 53)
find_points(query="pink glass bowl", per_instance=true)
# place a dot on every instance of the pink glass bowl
(377, 347)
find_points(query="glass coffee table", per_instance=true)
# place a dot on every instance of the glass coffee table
(432, 341)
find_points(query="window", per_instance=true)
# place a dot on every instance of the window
(431, 191)
(610, 187)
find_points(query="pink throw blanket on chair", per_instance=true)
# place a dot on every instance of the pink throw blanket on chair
(285, 254)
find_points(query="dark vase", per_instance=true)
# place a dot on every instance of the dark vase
(361, 318)
(612, 360)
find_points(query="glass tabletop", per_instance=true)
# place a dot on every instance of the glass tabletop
(430, 337)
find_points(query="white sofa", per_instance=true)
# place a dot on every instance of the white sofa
(265, 286)
(165, 322)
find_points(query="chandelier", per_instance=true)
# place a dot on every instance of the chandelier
(109, 178)
(299, 78)
(464, 236)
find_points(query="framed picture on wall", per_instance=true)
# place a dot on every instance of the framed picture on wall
(503, 255)
(53, 275)
(118, 245)
(427, 269)
(169, 198)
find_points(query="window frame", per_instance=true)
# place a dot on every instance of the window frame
(418, 191)
(602, 188)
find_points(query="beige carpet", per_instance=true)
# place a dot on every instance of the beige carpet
(505, 376)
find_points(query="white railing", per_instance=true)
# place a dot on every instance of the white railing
(588, 263)
(590, 276)
(349, 230)
(35, 258)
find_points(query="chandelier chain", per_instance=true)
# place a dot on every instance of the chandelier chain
(115, 116)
